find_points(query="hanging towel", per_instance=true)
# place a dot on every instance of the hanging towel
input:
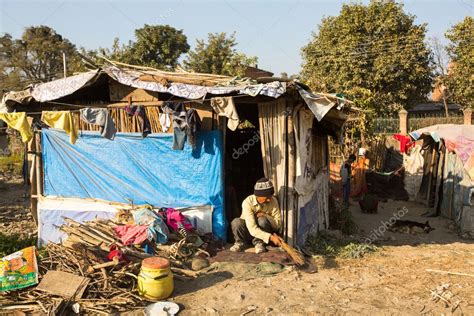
(193, 125)
(224, 106)
(102, 118)
(18, 122)
(63, 120)
(139, 111)
(179, 123)
(165, 122)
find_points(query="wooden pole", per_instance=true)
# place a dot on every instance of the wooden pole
(33, 188)
(291, 148)
(38, 171)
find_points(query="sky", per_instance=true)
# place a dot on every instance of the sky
(274, 31)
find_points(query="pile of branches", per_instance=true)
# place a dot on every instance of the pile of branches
(113, 284)
(112, 287)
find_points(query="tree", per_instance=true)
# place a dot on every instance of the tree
(9, 77)
(460, 78)
(440, 63)
(218, 56)
(38, 55)
(373, 53)
(158, 46)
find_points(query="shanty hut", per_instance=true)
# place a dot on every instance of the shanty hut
(246, 129)
(440, 169)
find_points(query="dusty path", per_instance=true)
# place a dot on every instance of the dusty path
(15, 216)
(391, 281)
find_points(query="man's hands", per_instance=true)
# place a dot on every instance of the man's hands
(260, 214)
(277, 240)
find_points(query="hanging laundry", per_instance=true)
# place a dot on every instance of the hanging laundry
(63, 120)
(18, 122)
(405, 142)
(102, 118)
(193, 125)
(179, 123)
(165, 122)
(139, 111)
(224, 106)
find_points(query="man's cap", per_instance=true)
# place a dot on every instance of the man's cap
(264, 187)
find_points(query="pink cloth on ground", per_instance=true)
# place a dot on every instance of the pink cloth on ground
(173, 217)
(131, 234)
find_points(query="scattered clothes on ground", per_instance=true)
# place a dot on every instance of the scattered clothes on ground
(405, 142)
(177, 221)
(179, 123)
(63, 120)
(102, 118)
(140, 113)
(157, 229)
(165, 122)
(193, 125)
(224, 106)
(115, 252)
(18, 122)
(131, 234)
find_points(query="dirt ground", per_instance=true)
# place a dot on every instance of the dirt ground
(392, 280)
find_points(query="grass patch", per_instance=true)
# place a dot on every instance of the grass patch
(12, 243)
(329, 246)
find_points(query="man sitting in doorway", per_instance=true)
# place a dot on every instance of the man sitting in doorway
(260, 219)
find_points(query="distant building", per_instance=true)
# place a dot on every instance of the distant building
(435, 108)
(255, 72)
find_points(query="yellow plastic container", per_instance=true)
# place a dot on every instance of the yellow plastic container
(155, 280)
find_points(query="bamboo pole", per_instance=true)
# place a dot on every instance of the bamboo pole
(34, 188)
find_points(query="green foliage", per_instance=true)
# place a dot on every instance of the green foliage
(373, 53)
(460, 79)
(342, 219)
(325, 245)
(157, 46)
(218, 56)
(12, 243)
(36, 57)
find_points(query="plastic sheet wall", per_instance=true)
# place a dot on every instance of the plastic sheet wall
(130, 168)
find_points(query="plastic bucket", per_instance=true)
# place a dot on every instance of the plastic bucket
(155, 280)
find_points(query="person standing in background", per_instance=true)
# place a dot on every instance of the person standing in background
(346, 175)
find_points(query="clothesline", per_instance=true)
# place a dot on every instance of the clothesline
(137, 103)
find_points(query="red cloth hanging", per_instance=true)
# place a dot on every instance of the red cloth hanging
(405, 142)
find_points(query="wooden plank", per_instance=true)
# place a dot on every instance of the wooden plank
(120, 92)
(64, 284)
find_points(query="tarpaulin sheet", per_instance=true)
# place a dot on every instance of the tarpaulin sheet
(52, 211)
(130, 168)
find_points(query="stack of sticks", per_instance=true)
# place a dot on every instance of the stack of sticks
(110, 290)
(113, 284)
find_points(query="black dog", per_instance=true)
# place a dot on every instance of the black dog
(410, 227)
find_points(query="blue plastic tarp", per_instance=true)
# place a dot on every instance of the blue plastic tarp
(130, 168)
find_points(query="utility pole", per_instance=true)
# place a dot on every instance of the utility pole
(64, 64)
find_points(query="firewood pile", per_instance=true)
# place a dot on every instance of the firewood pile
(111, 284)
